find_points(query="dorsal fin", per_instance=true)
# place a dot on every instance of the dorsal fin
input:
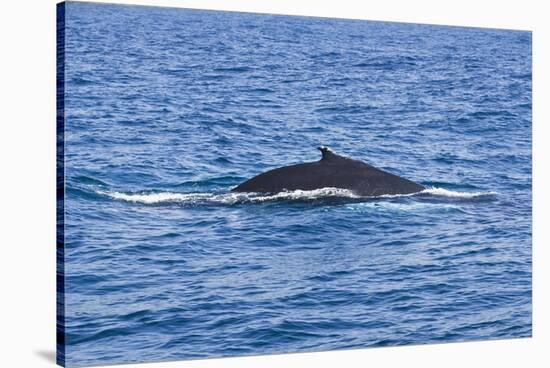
(326, 153)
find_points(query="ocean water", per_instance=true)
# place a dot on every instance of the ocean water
(168, 109)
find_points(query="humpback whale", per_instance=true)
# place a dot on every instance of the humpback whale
(331, 171)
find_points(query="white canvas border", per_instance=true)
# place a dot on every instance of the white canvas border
(28, 180)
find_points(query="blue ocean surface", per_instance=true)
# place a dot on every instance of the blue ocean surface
(168, 109)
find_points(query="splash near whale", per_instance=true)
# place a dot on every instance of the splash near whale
(331, 171)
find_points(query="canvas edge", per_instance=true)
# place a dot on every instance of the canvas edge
(60, 175)
(60, 184)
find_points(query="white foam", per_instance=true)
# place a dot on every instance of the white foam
(454, 194)
(230, 197)
(295, 195)
(308, 194)
(152, 198)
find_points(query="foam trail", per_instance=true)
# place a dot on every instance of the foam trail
(229, 197)
(152, 198)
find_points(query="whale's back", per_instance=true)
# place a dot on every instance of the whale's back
(332, 171)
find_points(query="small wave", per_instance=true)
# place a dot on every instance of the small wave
(81, 81)
(89, 180)
(234, 69)
(402, 207)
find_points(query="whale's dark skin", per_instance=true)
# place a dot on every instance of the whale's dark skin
(334, 171)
